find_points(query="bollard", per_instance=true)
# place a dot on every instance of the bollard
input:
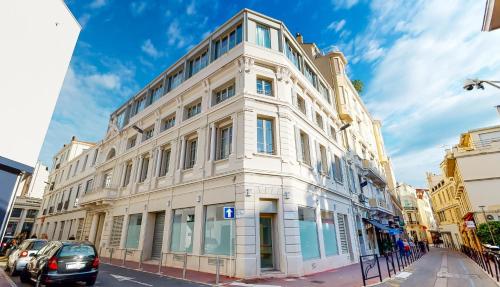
(217, 270)
(124, 257)
(159, 265)
(140, 260)
(184, 267)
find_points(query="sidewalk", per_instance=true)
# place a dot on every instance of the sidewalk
(5, 280)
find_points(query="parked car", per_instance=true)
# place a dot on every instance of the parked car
(19, 257)
(63, 262)
(6, 245)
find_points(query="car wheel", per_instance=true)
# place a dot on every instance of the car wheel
(90, 282)
(12, 270)
(25, 276)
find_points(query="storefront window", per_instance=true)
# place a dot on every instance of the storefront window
(308, 233)
(133, 230)
(183, 230)
(329, 234)
(218, 231)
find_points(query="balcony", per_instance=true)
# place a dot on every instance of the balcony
(100, 196)
(410, 208)
(372, 172)
(412, 222)
(379, 203)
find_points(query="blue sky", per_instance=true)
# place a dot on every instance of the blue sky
(412, 56)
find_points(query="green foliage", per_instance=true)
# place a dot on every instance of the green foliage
(484, 235)
(358, 85)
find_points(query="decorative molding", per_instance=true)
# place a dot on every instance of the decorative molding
(283, 74)
(245, 64)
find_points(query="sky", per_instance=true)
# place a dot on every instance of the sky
(412, 57)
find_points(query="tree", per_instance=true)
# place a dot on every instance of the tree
(358, 85)
(484, 235)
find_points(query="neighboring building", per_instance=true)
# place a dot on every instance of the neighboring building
(247, 119)
(446, 208)
(473, 166)
(424, 206)
(26, 202)
(35, 53)
(491, 20)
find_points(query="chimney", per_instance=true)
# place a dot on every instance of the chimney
(299, 38)
(73, 138)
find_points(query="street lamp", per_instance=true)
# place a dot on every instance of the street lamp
(487, 224)
(470, 84)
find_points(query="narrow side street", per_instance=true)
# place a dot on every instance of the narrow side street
(441, 268)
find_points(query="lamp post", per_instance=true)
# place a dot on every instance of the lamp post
(470, 84)
(487, 224)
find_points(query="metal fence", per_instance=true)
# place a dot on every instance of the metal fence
(488, 260)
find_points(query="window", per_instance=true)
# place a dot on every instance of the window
(308, 233)
(131, 141)
(164, 161)
(227, 41)
(120, 120)
(128, 172)
(85, 162)
(76, 167)
(133, 231)
(319, 120)
(156, 92)
(193, 109)
(218, 231)
(264, 87)
(338, 169)
(69, 172)
(190, 157)
(224, 139)
(77, 195)
(95, 157)
(16, 212)
(329, 234)
(265, 135)
(263, 37)
(324, 163)
(310, 75)
(198, 62)
(168, 122)
(106, 179)
(89, 185)
(304, 148)
(11, 229)
(324, 92)
(224, 93)
(343, 223)
(183, 230)
(292, 54)
(144, 168)
(140, 104)
(333, 133)
(301, 104)
(148, 133)
(31, 213)
(116, 231)
(175, 79)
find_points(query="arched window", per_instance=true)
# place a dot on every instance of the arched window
(111, 154)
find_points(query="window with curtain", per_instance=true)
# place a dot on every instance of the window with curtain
(224, 139)
(264, 87)
(263, 37)
(190, 156)
(308, 233)
(182, 230)
(164, 161)
(133, 230)
(329, 234)
(218, 231)
(265, 135)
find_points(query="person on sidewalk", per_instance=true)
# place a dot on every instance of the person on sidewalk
(401, 247)
(406, 247)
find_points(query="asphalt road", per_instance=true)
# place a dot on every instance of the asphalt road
(110, 275)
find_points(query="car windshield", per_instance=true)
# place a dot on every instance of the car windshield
(37, 245)
(80, 250)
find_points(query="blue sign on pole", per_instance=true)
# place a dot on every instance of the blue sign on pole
(228, 212)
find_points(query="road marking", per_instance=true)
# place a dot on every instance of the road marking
(442, 279)
(251, 285)
(121, 278)
(403, 275)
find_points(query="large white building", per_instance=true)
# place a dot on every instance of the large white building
(250, 118)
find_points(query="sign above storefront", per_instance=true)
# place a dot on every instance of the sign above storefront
(470, 224)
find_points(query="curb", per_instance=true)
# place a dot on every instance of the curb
(7, 278)
(480, 268)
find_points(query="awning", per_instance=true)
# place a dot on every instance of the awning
(381, 226)
(468, 216)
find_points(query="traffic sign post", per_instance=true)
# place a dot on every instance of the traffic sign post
(230, 214)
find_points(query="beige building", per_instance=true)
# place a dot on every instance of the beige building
(247, 124)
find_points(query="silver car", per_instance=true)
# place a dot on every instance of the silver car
(19, 257)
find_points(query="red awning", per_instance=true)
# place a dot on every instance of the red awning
(468, 216)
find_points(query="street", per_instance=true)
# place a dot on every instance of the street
(441, 268)
(110, 275)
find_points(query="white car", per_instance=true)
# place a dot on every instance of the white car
(18, 258)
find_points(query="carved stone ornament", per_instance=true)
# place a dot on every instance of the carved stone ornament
(113, 129)
(206, 85)
(283, 73)
(245, 64)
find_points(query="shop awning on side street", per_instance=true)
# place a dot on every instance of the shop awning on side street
(381, 226)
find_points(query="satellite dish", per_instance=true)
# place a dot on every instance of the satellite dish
(490, 217)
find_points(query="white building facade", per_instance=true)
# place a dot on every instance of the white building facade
(246, 120)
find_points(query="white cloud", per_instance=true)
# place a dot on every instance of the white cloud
(96, 4)
(84, 19)
(337, 25)
(416, 87)
(148, 48)
(191, 8)
(137, 8)
(175, 35)
(343, 4)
